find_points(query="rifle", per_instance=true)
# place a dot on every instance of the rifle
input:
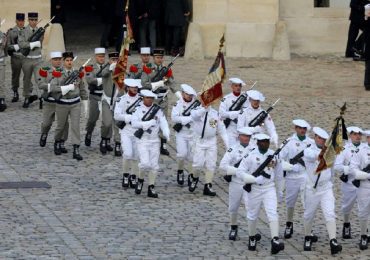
(178, 126)
(298, 158)
(129, 110)
(358, 182)
(228, 178)
(260, 170)
(237, 105)
(36, 36)
(98, 74)
(258, 120)
(163, 71)
(75, 74)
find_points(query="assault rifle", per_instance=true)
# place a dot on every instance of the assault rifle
(358, 182)
(75, 74)
(163, 71)
(298, 158)
(129, 110)
(258, 120)
(178, 126)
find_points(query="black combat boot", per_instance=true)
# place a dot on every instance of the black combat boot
(33, 98)
(346, 231)
(103, 146)
(164, 150)
(2, 105)
(193, 183)
(151, 192)
(233, 232)
(43, 139)
(180, 177)
(276, 246)
(57, 150)
(26, 103)
(15, 96)
(109, 147)
(125, 180)
(363, 242)
(288, 230)
(335, 247)
(117, 149)
(207, 191)
(132, 181)
(76, 152)
(62, 147)
(139, 186)
(307, 243)
(88, 139)
(252, 244)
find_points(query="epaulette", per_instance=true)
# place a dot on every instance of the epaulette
(147, 70)
(43, 72)
(56, 74)
(89, 68)
(134, 68)
(169, 73)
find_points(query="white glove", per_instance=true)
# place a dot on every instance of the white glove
(233, 114)
(127, 118)
(156, 85)
(34, 45)
(186, 120)
(49, 88)
(231, 170)
(286, 166)
(361, 175)
(112, 66)
(260, 180)
(16, 47)
(346, 170)
(85, 108)
(67, 88)
(99, 81)
(296, 168)
(148, 124)
(248, 178)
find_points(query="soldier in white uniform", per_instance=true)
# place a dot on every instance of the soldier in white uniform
(123, 111)
(149, 143)
(262, 191)
(180, 116)
(229, 116)
(341, 166)
(228, 166)
(360, 168)
(252, 110)
(206, 124)
(294, 170)
(322, 195)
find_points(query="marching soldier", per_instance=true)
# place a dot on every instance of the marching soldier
(95, 86)
(252, 110)
(136, 70)
(225, 113)
(322, 195)
(263, 192)
(342, 166)
(360, 168)
(161, 87)
(33, 61)
(46, 74)
(16, 58)
(180, 115)
(294, 169)
(2, 70)
(206, 124)
(69, 104)
(229, 165)
(123, 111)
(108, 126)
(149, 120)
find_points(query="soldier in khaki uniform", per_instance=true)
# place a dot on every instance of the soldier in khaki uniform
(33, 61)
(69, 104)
(160, 88)
(108, 126)
(2, 70)
(16, 58)
(95, 86)
(46, 74)
(136, 70)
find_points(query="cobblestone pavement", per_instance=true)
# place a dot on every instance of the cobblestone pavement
(87, 215)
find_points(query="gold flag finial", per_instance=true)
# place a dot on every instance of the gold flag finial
(343, 109)
(126, 7)
(222, 41)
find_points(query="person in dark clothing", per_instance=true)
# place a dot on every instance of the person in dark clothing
(367, 48)
(175, 14)
(148, 14)
(107, 19)
(57, 10)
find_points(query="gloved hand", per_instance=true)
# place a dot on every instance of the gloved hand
(260, 180)
(16, 47)
(112, 66)
(361, 175)
(186, 120)
(233, 114)
(49, 88)
(36, 44)
(127, 118)
(85, 108)
(148, 124)
(99, 81)
(286, 166)
(345, 170)
(156, 85)
(65, 89)
(296, 168)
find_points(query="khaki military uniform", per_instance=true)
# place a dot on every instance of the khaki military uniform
(136, 70)
(2, 64)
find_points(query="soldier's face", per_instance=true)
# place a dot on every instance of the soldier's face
(301, 131)
(244, 139)
(56, 62)
(319, 141)
(236, 88)
(355, 137)
(255, 103)
(263, 144)
(145, 58)
(100, 58)
(20, 23)
(113, 60)
(133, 90)
(32, 22)
(68, 63)
(158, 59)
(148, 101)
(187, 97)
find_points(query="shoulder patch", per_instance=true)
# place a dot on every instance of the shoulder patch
(223, 99)
(230, 149)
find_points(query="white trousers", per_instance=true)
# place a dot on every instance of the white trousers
(363, 202)
(237, 195)
(349, 196)
(265, 195)
(205, 154)
(148, 154)
(323, 198)
(184, 147)
(129, 146)
(293, 188)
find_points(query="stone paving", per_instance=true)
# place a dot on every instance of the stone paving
(87, 215)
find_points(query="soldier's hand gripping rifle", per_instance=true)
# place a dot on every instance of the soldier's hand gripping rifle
(178, 126)
(36, 36)
(258, 120)
(358, 182)
(75, 74)
(130, 110)
(298, 158)
(228, 178)
(260, 170)
(163, 71)
(237, 105)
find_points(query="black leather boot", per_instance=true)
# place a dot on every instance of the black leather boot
(180, 177)
(43, 139)
(88, 139)
(103, 146)
(164, 150)
(57, 150)
(2, 105)
(288, 230)
(76, 152)
(233, 232)
(151, 192)
(15, 96)
(62, 147)
(207, 191)
(125, 180)
(139, 186)
(117, 149)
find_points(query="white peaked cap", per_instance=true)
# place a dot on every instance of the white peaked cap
(133, 83)
(56, 54)
(302, 123)
(99, 50)
(147, 93)
(237, 81)
(320, 132)
(256, 95)
(354, 129)
(245, 131)
(145, 50)
(188, 89)
(262, 137)
(367, 132)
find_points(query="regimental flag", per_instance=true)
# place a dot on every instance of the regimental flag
(334, 144)
(120, 70)
(212, 85)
